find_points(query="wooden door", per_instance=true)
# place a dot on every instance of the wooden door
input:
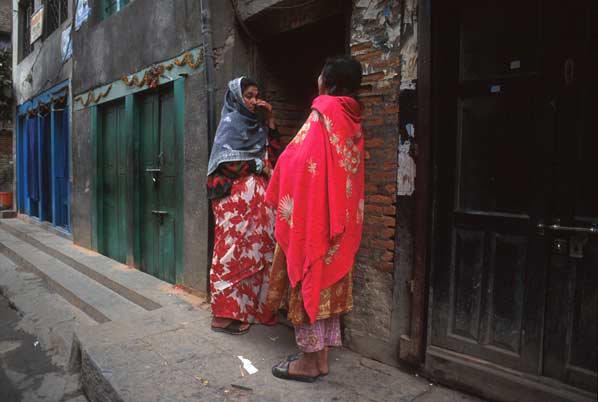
(158, 185)
(113, 159)
(570, 334)
(60, 155)
(514, 150)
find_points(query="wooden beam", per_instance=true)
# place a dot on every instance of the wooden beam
(179, 107)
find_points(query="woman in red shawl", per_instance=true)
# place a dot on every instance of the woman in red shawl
(317, 190)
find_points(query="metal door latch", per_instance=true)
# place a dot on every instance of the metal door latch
(161, 214)
(576, 246)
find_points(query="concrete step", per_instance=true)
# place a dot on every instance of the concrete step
(95, 300)
(8, 214)
(136, 286)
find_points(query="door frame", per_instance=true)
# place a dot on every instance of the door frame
(132, 197)
(448, 367)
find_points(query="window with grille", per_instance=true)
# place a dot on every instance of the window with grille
(25, 12)
(56, 13)
(109, 7)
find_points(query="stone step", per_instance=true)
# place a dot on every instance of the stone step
(94, 299)
(131, 284)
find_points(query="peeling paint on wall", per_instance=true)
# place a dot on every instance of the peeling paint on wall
(220, 52)
(409, 45)
(386, 13)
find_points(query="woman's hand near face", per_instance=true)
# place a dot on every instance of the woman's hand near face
(267, 171)
(268, 112)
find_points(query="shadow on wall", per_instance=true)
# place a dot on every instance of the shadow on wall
(289, 65)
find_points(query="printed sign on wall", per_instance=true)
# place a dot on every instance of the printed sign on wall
(37, 24)
(66, 44)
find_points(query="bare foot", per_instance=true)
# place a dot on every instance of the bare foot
(323, 361)
(306, 365)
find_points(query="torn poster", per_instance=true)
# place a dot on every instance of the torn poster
(66, 44)
(406, 171)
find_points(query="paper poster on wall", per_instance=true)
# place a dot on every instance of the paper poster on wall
(66, 44)
(37, 24)
(82, 13)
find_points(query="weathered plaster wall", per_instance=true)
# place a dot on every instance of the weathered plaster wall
(43, 67)
(139, 35)
(196, 207)
(5, 16)
(382, 39)
(81, 178)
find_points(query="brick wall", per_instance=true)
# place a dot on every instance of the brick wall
(6, 166)
(375, 43)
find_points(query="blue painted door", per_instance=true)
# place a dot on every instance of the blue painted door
(32, 167)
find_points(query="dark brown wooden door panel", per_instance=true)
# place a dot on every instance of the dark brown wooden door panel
(515, 276)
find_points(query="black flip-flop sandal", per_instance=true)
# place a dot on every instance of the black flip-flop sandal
(294, 356)
(281, 371)
(234, 328)
(297, 356)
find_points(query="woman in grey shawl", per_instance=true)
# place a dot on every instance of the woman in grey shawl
(242, 158)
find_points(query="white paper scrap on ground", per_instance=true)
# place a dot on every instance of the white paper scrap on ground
(247, 365)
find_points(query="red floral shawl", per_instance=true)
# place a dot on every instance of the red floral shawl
(317, 188)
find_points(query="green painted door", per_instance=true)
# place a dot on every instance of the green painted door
(113, 157)
(158, 185)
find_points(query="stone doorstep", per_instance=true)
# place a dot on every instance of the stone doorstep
(8, 214)
(138, 287)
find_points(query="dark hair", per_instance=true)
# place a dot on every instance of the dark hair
(342, 76)
(247, 82)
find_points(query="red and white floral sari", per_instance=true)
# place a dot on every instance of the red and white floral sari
(243, 249)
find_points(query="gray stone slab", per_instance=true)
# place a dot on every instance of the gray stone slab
(203, 363)
(131, 281)
(97, 301)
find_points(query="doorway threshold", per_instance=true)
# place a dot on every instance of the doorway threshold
(62, 232)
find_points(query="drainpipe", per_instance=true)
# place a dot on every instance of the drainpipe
(206, 30)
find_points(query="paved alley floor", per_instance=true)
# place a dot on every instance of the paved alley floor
(74, 321)
(27, 373)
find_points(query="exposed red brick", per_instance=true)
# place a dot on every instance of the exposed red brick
(373, 122)
(389, 210)
(361, 46)
(384, 220)
(380, 199)
(374, 142)
(383, 244)
(387, 256)
(370, 56)
(367, 99)
(373, 77)
(385, 266)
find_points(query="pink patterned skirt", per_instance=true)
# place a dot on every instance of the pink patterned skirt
(322, 333)
(243, 250)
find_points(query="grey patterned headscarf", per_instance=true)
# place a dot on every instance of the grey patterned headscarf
(240, 135)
